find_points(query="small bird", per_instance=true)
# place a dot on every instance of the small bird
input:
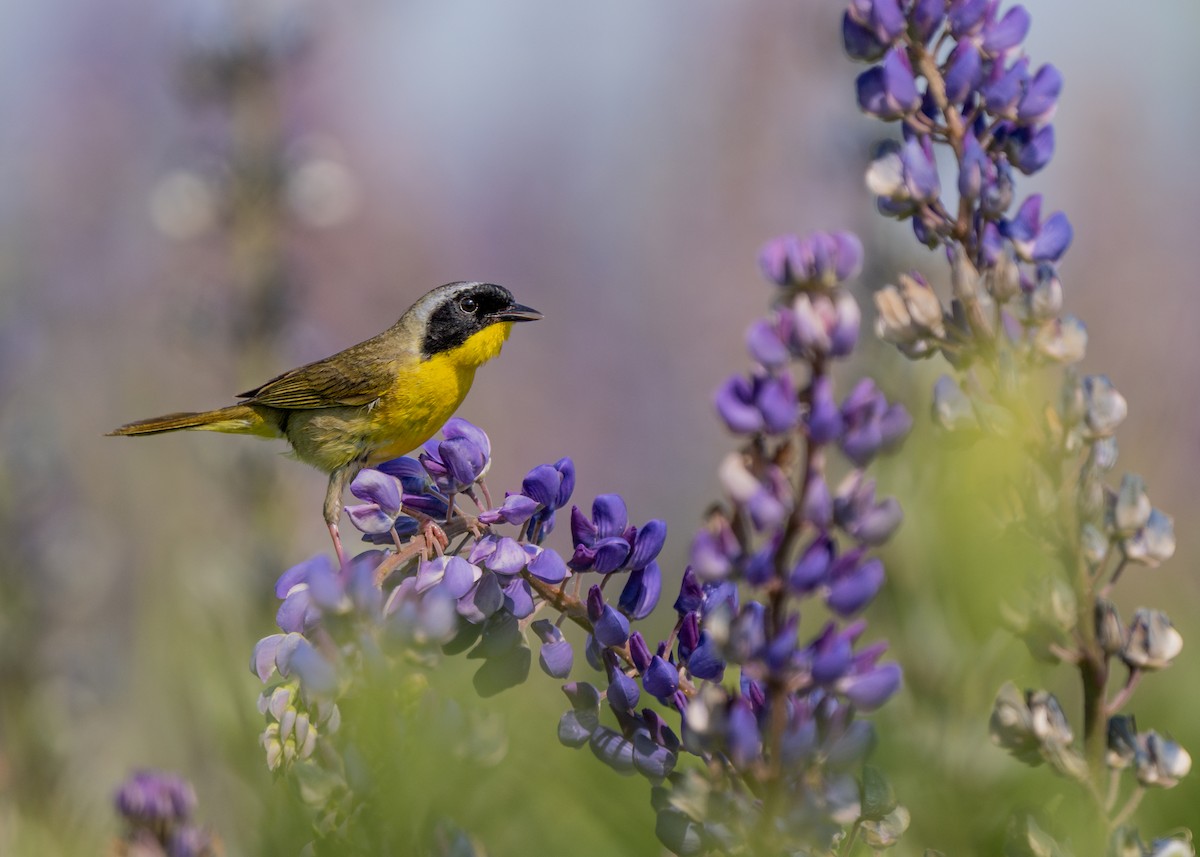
(376, 400)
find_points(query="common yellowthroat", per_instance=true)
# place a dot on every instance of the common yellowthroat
(376, 400)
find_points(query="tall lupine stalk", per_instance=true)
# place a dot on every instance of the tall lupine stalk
(768, 718)
(954, 76)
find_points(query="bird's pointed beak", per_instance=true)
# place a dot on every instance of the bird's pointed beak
(518, 312)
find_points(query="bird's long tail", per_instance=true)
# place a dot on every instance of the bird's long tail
(235, 419)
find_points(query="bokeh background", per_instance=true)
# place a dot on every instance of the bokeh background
(195, 196)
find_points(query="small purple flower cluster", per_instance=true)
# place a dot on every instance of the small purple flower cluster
(953, 73)
(157, 809)
(431, 595)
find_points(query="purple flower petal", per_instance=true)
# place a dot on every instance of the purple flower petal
(920, 172)
(458, 427)
(859, 41)
(508, 558)
(369, 518)
(408, 470)
(484, 599)
(299, 573)
(610, 515)
(660, 678)
(575, 729)
(566, 467)
(516, 509)
(832, 656)
(778, 404)
(964, 72)
(464, 461)
(316, 674)
(1031, 150)
(557, 658)
(889, 90)
(1002, 93)
(818, 504)
(262, 662)
(742, 735)
(641, 593)
(691, 594)
(1054, 239)
(1006, 33)
(851, 593)
(972, 169)
(639, 652)
(735, 406)
(871, 690)
(1041, 96)
(542, 484)
(824, 417)
(297, 612)
(813, 567)
(379, 488)
(548, 566)
(926, 16)
(965, 17)
(611, 628)
(612, 749)
(583, 531)
(623, 693)
(706, 661)
(1025, 225)
(518, 598)
(611, 554)
(649, 541)
(765, 345)
(650, 759)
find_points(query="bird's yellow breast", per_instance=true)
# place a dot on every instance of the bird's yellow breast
(427, 393)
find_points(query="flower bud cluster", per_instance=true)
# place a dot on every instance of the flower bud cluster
(156, 808)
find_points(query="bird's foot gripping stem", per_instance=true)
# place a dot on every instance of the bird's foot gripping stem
(338, 480)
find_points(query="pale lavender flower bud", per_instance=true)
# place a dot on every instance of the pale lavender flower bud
(1161, 762)
(1104, 407)
(1130, 506)
(1153, 641)
(1154, 543)
(1062, 340)
(885, 832)
(952, 409)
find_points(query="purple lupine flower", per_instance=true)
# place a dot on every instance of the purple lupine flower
(816, 262)
(966, 17)
(762, 402)
(609, 626)
(152, 798)
(889, 90)
(1030, 149)
(1039, 101)
(925, 17)
(964, 72)
(1033, 239)
(1003, 35)
(556, 656)
(457, 462)
(641, 592)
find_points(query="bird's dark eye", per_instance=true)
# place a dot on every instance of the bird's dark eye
(468, 305)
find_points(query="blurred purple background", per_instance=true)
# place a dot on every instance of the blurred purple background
(616, 165)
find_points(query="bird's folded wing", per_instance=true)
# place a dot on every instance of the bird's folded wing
(346, 379)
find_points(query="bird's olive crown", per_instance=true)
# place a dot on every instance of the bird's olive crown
(459, 310)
